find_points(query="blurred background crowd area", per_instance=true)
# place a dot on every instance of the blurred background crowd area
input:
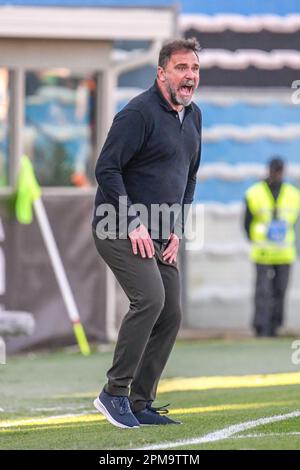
(249, 60)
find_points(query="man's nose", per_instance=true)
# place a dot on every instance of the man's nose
(190, 74)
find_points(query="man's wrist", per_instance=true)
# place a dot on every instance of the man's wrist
(174, 236)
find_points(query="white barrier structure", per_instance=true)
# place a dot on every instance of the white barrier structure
(16, 323)
(11, 323)
(2, 351)
(240, 23)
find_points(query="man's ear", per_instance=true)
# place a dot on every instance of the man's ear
(161, 74)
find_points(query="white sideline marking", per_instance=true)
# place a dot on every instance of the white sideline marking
(224, 433)
(265, 434)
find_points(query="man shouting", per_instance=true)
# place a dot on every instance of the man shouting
(150, 158)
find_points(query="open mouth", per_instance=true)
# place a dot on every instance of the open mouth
(186, 90)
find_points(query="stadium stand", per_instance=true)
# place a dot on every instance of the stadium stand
(250, 56)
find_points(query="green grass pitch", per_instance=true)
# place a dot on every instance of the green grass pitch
(46, 399)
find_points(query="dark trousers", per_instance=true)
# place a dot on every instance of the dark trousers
(271, 285)
(149, 329)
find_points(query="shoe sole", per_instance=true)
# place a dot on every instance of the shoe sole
(101, 408)
(160, 424)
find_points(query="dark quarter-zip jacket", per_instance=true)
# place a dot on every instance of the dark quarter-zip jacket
(149, 156)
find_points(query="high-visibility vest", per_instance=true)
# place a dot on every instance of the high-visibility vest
(262, 206)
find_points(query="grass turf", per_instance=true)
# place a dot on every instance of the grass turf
(55, 392)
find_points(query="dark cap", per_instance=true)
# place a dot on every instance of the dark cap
(276, 164)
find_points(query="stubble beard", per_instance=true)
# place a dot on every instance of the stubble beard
(175, 99)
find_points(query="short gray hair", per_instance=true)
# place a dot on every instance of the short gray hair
(177, 45)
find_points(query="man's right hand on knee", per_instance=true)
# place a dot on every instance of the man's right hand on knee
(141, 241)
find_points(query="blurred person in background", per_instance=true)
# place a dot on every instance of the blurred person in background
(151, 155)
(272, 209)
